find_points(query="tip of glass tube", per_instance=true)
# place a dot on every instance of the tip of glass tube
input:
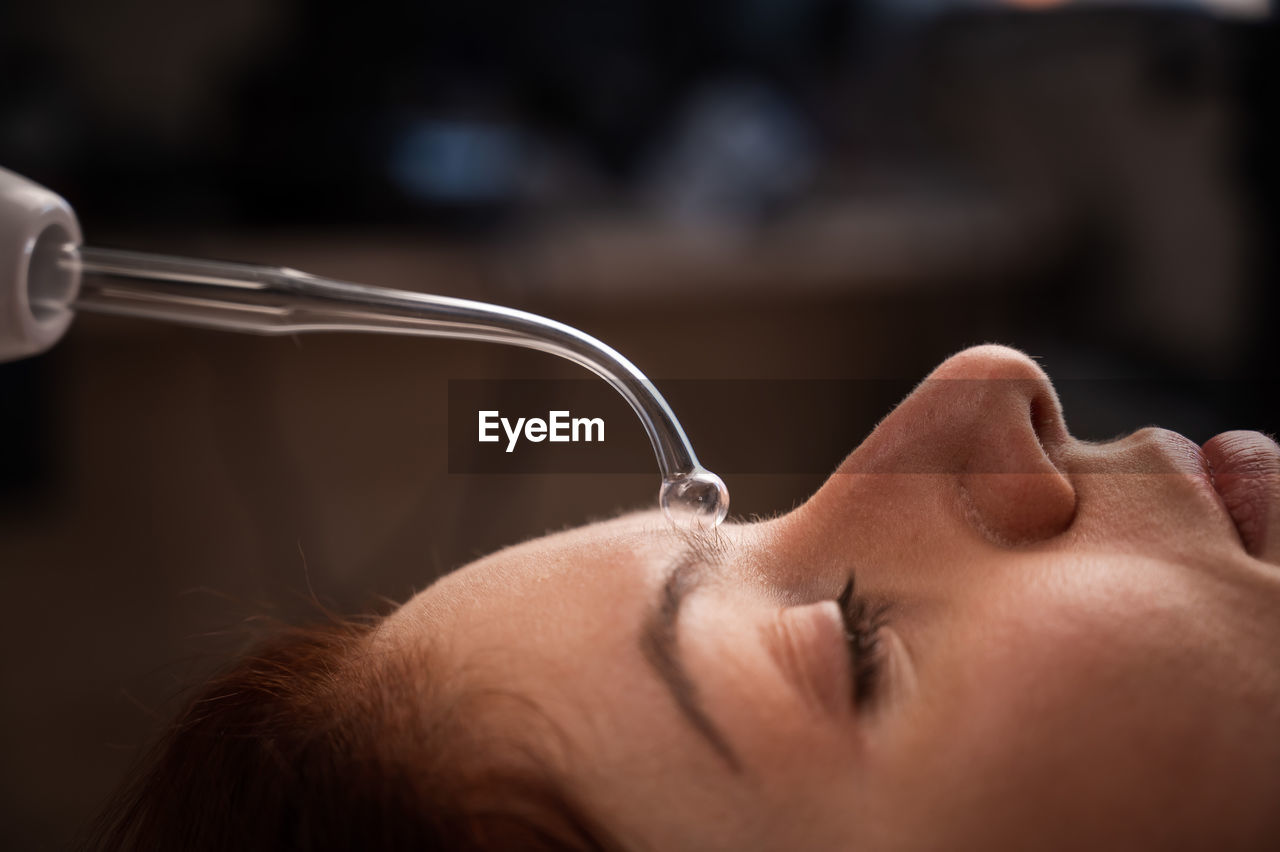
(697, 500)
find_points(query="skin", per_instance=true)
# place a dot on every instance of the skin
(1081, 650)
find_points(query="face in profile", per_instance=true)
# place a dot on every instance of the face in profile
(979, 633)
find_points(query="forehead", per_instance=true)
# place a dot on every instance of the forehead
(566, 586)
(548, 634)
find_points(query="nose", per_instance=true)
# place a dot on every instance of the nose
(990, 418)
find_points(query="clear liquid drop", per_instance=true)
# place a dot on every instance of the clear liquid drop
(696, 500)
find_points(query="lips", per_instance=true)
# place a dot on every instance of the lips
(1246, 472)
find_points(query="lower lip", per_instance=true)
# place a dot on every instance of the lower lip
(1246, 474)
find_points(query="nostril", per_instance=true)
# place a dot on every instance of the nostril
(1036, 411)
(1015, 491)
(1046, 420)
(1042, 413)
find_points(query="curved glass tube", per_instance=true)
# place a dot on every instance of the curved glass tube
(275, 300)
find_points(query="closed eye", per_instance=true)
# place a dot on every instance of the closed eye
(863, 621)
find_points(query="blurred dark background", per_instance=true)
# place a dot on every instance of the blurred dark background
(835, 191)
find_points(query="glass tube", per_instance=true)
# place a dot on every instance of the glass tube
(275, 300)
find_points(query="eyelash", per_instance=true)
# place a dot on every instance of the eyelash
(862, 623)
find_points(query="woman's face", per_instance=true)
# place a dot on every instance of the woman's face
(1060, 644)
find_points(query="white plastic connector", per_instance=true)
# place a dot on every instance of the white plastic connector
(36, 291)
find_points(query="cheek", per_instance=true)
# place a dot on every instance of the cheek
(1082, 701)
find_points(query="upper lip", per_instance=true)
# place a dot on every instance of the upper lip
(1213, 484)
(1241, 466)
(1178, 453)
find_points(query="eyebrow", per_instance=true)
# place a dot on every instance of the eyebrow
(661, 648)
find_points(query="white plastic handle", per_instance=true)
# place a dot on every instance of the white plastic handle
(36, 292)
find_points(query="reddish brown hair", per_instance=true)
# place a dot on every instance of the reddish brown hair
(313, 743)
